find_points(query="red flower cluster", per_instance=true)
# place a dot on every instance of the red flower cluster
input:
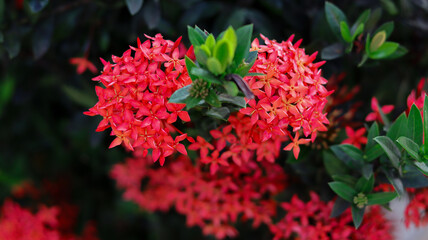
(17, 223)
(212, 202)
(290, 94)
(417, 97)
(312, 221)
(134, 102)
(417, 210)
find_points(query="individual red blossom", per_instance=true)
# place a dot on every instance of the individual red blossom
(134, 99)
(202, 145)
(83, 64)
(222, 137)
(417, 97)
(295, 145)
(375, 115)
(214, 160)
(356, 137)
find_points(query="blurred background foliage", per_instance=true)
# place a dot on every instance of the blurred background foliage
(46, 138)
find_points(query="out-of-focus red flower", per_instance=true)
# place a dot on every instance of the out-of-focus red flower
(417, 97)
(83, 64)
(356, 137)
(417, 210)
(375, 115)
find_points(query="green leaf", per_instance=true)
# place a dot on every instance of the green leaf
(12, 43)
(333, 51)
(358, 31)
(243, 35)
(349, 154)
(401, 51)
(340, 205)
(238, 101)
(390, 6)
(202, 53)
(390, 149)
(380, 198)
(348, 179)
(230, 37)
(343, 190)
(7, 88)
(411, 147)
(192, 102)
(414, 178)
(79, 96)
(180, 95)
(214, 66)
(190, 65)
(398, 128)
(345, 33)
(415, 125)
(210, 42)
(422, 167)
(388, 27)
(373, 132)
(334, 16)
(357, 215)
(384, 51)
(362, 19)
(243, 68)
(152, 14)
(231, 88)
(395, 181)
(204, 74)
(252, 74)
(134, 6)
(212, 99)
(41, 38)
(223, 53)
(332, 164)
(221, 113)
(425, 113)
(37, 5)
(195, 37)
(377, 41)
(367, 170)
(365, 185)
(373, 153)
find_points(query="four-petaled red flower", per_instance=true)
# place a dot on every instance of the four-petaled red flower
(356, 137)
(375, 115)
(295, 145)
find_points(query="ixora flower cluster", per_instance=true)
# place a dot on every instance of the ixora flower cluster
(234, 176)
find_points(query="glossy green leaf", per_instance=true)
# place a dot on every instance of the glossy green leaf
(192, 102)
(390, 149)
(190, 65)
(180, 95)
(373, 153)
(340, 205)
(214, 66)
(390, 7)
(243, 35)
(380, 198)
(384, 51)
(221, 113)
(333, 51)
(425, 114)
(343, 190)
(398, 128)
(388, 27)
(396, 182)
(334, 16)
(230, 37)
(422, 167)
(415, 125)
(231, 88)
(204, 74)
(223, 53)
(410, 146)
(357, 215)
(373, 132)
(202, 53)
(401, 51)
(134, 6)
(362, 19)
(210, 42)
(345, 33)
(348, 179)
(238, 101)
(212, 99)
(195, 37)
(358, 31)
(414, 178)
(367, 170)
(349, 154)
(365, 185)
(332, 164)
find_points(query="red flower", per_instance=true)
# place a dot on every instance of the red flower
(375, 115)
(295, 145)
(355, 138)
(83, 64)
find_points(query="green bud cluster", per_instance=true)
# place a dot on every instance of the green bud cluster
(199, 89)
(361, 200)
